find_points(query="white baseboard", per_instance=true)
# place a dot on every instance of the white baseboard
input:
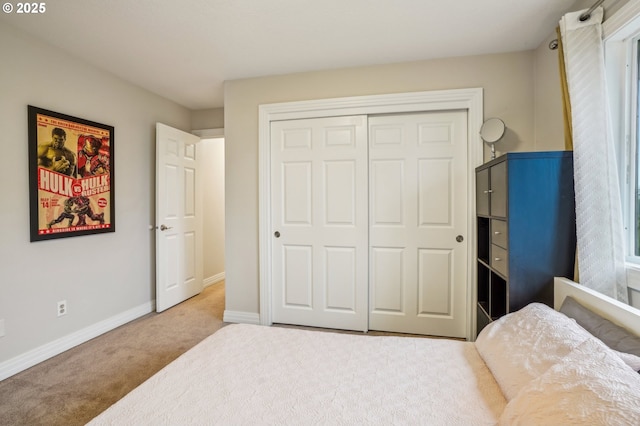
(29, 359)
(241, 317)
(213, 279)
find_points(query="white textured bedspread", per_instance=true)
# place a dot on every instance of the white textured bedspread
(248, 374)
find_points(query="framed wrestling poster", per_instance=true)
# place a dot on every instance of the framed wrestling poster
(71, 189)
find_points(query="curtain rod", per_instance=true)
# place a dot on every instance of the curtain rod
(587, 15)
(553, 45)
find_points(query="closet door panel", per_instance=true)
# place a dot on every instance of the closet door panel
(340, 179)
(296, 179)
(319, 222)
(418, 190)
(341, 282)
(434, 281)
(298, 272)
(387, 193)
(387, 273)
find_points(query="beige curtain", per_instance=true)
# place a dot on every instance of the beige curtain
(566, 112)
(566, 103)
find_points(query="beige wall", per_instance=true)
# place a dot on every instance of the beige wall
(102, 277)
(207, 119)
(548, 118)
(509, 85)
(212, 151)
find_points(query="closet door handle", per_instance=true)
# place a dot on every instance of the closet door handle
(276, 234)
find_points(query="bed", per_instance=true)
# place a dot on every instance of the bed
(534, 366)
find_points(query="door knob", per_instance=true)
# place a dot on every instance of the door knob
(276, 234)
(459, 238)
(165, 227)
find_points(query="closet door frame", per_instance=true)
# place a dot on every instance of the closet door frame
(470, 99)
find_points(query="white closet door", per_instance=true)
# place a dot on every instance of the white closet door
(319, 222)
(418, 207)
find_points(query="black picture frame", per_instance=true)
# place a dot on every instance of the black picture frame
(71, 176)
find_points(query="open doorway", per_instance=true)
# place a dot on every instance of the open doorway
(211, 151)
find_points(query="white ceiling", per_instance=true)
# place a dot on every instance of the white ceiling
(185, 50)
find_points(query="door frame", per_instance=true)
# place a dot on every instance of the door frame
(470, 99)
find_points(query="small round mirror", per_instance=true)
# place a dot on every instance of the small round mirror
(492, 130)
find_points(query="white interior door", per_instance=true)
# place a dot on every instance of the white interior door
(179, 274)
(319, 222)
(418, 208)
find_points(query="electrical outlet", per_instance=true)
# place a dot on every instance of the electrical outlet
(62, 308)
(1, 327)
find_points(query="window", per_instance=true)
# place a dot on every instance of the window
(622, 47)
(628, 145)
(632, 148)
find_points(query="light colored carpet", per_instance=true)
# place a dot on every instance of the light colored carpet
(77, 385)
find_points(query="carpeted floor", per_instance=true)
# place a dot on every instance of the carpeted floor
(77, 385)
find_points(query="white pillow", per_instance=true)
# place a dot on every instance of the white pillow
(591, 386)
(631, 360)
(521, 346)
